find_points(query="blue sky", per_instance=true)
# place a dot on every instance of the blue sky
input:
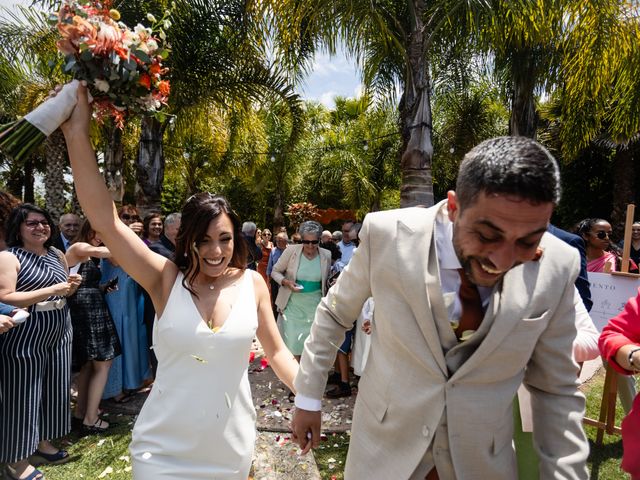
(330, 76)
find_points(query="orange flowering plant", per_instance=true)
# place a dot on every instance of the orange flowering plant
(121, 66)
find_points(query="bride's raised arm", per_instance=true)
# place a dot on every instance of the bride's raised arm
(155, 273)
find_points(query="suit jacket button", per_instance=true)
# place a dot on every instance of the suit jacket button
(425, 430)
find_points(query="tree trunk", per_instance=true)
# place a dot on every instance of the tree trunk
(114, 165)
(280, 194)
(415, 115)
(624, 191)
(149, 166)
(29, 196)
(54, 183)
(524, 117)
(15, 182)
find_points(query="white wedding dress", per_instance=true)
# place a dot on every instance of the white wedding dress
(199, 420)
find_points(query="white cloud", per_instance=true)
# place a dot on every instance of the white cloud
(327, 99)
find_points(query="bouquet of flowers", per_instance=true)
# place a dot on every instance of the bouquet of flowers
(121, 66)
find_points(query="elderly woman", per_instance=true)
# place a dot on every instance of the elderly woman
(302, 270)
(35, 356)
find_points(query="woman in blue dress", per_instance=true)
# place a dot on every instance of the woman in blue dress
(130, 370)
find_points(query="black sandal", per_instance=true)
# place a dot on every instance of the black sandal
(97, 428)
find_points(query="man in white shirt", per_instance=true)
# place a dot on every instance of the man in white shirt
(346, 245)
(473, 298)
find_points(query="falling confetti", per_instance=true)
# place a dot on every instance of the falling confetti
(199, 359)
(146, 455)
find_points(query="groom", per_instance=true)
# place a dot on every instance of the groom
(472, 299)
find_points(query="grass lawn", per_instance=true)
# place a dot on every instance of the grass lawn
(107, 456)
(604, 460)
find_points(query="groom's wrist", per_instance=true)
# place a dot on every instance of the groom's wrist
(307, 403)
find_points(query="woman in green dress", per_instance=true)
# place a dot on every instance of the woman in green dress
(302, 270)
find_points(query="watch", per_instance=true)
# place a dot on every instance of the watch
(630, 358)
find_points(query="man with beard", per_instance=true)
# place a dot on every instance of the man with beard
(473, 298)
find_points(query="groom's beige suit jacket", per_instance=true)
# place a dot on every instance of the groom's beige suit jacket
(410, 388)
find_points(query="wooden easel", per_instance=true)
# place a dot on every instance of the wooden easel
(607, 420)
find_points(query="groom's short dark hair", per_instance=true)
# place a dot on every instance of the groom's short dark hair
(516, 166)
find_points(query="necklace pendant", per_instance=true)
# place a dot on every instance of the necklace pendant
(211, 287)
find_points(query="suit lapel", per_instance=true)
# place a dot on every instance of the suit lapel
(415, 247)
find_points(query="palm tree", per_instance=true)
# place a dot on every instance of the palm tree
(27, 43)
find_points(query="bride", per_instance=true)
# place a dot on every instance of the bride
(199, 420)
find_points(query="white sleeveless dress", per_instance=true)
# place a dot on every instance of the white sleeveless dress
(199, 420)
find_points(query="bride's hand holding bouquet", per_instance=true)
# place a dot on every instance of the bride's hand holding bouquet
(122, 68)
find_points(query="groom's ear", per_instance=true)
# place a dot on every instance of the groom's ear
(453, 208)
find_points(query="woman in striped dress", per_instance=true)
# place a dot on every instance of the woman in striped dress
(35, 356)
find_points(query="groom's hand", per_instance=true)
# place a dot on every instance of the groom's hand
(305, 427)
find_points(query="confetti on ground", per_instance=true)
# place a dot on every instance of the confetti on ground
(146, 455)
(105, 472)
(101, 442)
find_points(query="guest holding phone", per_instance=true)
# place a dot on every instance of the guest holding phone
(35, 356)
(303, 271)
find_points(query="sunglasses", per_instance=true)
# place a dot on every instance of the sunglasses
(602, 235)
(35, 223)
(126, 216)
(312, 242)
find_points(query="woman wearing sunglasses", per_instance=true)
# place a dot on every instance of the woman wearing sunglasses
(602, 253)
(303, 270)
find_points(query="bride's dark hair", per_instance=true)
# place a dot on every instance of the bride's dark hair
(197, 213)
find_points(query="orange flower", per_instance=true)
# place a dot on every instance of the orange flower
(122, 52)
(145, 81)
(155, 69)
(164, 87)
(66, 47)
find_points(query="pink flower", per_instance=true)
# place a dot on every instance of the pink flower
(108, 38)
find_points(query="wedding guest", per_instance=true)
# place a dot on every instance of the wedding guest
(68, 226)
(634, 250)
(167, 244)
(152, 228)
(254, 253)
(327, 243)
(132, 369)
(199, 420)
(282, 241)
(7, 203)
(620, 346)
(301, 272)
(35, 357)
(266, 246)
(165, 247)
(602, 254)
(95, 339)
(6, 322)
